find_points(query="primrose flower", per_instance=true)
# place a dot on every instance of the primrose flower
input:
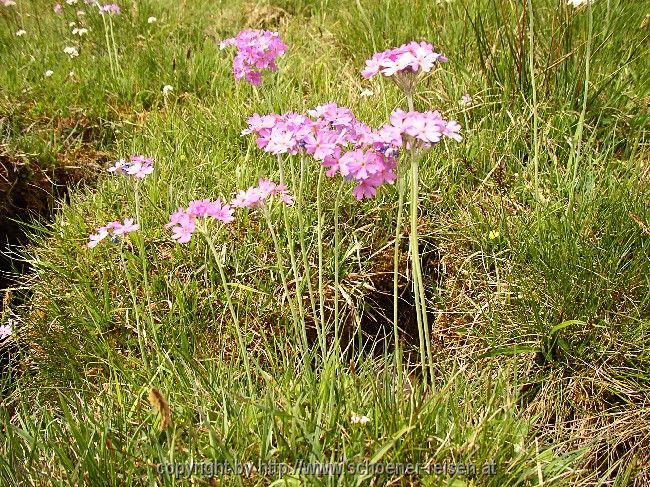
(71, 51)
(346, 146)
(21, 32)
(111, 8)
(256, 50)
(48, 73)
(112, 229)
(138, 166)
(152, 20)
(58, 8)
(183, 221)
(256, 195)
(407, 58)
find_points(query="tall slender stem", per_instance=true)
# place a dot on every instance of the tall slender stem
(531, 67)
(224, 282)
(143, 258)
(321, 291)
(303, 246)
(109, 50)
(117, 64)
(294, 265)
(337, 242)
(278, 252)
(141, 332)
(581, 122)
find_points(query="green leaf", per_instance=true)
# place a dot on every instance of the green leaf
(565, 324)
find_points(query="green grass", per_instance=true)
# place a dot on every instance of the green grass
(534, 233)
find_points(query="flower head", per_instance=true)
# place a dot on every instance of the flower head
(183, 221)
(112, 229)
(152, 20)
(48, 73)
(578, 3)
(21, 32)
(358, 419)
(257, 195)
(138, 166)
(256, 50)
(111, 8)
(413, 57)
(58, 8)
(71, 51)
(7, 3)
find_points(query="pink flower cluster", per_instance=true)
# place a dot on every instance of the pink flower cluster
(344, 145)
(183, 221)
(407, 58)
(112, 229)
(256, 50)
(138, 166)
(257, 195)
(111, 8)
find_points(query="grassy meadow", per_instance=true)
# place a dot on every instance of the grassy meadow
(273, 338)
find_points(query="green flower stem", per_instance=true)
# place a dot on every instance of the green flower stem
(224, 282)
(283, 275)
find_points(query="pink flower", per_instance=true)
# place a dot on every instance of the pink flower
(281, 140)
(257, 195)
(111, 8)
(256, 50)
(344, 145)
(411, 58)
(183, 221)
(138, 166)
(58, 8)
(112, 229)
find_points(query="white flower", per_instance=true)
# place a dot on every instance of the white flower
(5, 330)
(578, 3)
(71, 2)
(465, 100)
(21, 32)
(152, 20)
(366, 93)
(49, 73)
(80, 13)
(167, 88)
(71, 74)
(8, 3)
(356, 419)
(71, 51)
(80, 32)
